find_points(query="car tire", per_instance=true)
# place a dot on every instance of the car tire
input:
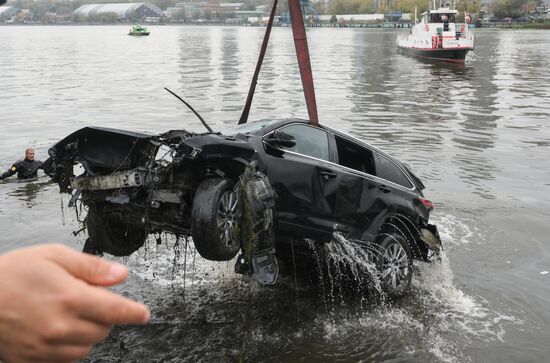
(214, 220)
(109, 235)
(394, 264)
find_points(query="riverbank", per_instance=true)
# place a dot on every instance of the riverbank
(518, 26)
(545, 25)
(283, 25)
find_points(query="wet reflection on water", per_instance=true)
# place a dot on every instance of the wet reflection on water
(28, 191)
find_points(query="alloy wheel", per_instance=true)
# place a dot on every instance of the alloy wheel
(395, 267)
(227, 217)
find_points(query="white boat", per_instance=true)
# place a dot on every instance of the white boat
(437, 36)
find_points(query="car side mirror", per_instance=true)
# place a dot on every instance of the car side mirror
(279, 138)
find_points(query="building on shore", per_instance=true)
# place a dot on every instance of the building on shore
(200, 11)
(8, 13)
(121, 12)
(14, 15)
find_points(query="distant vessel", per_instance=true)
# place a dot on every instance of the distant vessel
(437, 36)
(138, 30)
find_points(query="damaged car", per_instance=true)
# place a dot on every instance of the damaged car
(249, 189)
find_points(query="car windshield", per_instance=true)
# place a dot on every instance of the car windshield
(246, 128)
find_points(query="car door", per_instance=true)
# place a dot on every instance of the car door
(401, 188)
(362, 200)
(304, 181)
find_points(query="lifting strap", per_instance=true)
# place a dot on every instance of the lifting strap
(302, 54)
(246, 110)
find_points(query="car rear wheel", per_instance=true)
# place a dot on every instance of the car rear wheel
(110, 235)
(214, 220)
(394, 265)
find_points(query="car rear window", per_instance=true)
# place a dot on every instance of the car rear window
(310, 141)
(389, 171)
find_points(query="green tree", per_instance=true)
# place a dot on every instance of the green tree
(48, 18)
(337, 7)
(196, 14)
(180, 14)
(507, 8)
(407, 6)
(78, 18)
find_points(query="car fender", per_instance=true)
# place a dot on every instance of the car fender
(213, 146)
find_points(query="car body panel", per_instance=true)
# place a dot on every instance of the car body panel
(315, 196)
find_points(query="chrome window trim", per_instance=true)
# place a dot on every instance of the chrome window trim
(345, 168)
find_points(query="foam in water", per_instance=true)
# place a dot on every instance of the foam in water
(446, 315)
(454, 231)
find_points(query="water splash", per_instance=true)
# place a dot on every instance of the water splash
(167, 264)
(343, 264)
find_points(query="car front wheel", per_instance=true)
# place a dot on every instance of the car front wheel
(214, 220)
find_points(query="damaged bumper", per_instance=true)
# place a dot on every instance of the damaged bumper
(430, 236)
(123, 179)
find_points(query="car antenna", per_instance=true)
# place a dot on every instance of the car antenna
(192, 109)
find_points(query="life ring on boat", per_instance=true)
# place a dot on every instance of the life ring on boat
(462, 28)
(427, 28)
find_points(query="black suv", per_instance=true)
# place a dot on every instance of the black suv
(253, 188)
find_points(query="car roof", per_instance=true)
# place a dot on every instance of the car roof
(275, 124)
(271, 125)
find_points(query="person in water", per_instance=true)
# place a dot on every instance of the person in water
(26, 168)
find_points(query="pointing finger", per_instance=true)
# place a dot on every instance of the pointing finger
(91, 269)
(105, 307)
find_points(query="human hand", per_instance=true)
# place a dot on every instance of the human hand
(52, 305)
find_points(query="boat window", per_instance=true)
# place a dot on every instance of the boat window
(310, 141)
(442, 18)
(389, 171)
(354, 156)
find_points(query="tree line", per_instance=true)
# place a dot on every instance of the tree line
(500, 8)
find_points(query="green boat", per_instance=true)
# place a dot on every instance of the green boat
(138, 30)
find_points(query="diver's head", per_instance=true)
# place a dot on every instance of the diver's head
(29, 153)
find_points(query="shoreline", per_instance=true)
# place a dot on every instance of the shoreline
(386, 26)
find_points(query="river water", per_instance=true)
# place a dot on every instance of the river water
(478, 136)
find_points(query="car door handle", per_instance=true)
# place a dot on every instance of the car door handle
(384, 188)
(328, 174)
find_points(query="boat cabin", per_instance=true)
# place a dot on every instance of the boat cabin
(439, 16)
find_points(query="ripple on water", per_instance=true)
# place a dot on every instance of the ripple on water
(434, 322)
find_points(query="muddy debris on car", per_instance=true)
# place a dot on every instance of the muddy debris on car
(263, 191)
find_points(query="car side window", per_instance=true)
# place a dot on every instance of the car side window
(389, 171)
(310, 141)
(354, 156)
